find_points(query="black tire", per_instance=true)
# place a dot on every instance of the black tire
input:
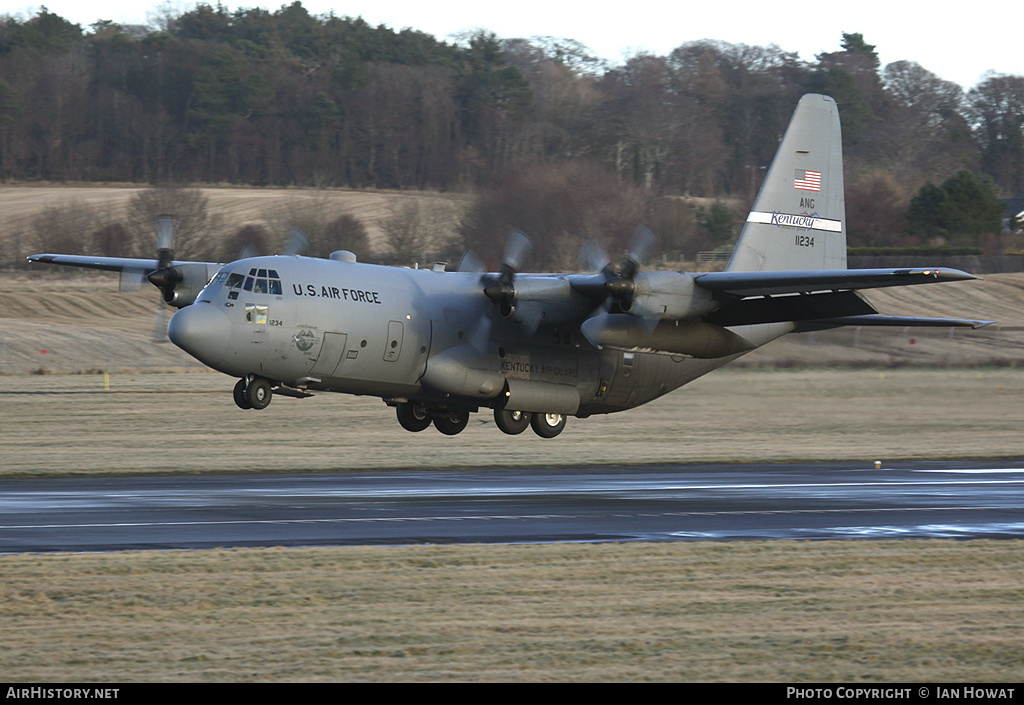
(239, 393)
(451, 422)
(547, 425)
(258, 393)
(413, 416)
(512, 422)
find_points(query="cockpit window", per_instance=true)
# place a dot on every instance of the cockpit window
(258, 281)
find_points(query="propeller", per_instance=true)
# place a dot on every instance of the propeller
(164, 277)
(503, 291)
(296, 244)
(617, 279)
(500, 290)
(616, 283)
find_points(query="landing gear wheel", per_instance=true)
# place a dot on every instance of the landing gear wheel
(413, 416)
(258, 393)
(239, 393)
(512, 422)
(450, 422)
(547, 425)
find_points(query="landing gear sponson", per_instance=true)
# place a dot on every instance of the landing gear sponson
(256, 392)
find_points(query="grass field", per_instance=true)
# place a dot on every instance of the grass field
(858, 611)
(68, 424)
(228, 207)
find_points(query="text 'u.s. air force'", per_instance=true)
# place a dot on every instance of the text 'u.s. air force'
(333, 292)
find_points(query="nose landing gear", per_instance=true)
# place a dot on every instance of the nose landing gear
(254, 393)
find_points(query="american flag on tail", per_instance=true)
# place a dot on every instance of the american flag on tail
(807, 180)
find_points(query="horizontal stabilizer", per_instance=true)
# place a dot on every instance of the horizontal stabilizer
(769, 283)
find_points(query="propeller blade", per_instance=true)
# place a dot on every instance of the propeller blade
(130, 280)
(296, 244)
(470, 263)
(592, 257)
(594, 326)
(165, 232)
(160, 325)
(480, 336)
(648, 317)
(250, 250)
(164, 241)
(642, 244)
(516, 250)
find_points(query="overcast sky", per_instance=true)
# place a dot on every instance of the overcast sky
(957, 47)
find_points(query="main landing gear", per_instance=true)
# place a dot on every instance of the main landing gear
(515, 422)
(254, 393)
(417, 416)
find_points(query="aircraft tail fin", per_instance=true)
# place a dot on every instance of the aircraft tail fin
(798, 221)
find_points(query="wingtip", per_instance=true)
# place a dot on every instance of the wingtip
(953, 275)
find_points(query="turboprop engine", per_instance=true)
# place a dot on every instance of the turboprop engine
(661, 311)
(180, 284)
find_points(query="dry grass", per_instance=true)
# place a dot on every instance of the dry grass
(189, 423)
(879, 611)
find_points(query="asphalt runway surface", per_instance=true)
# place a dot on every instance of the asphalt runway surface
(959, 499)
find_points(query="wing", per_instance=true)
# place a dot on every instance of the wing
(773, 283)
(179, 281)
(109, 264)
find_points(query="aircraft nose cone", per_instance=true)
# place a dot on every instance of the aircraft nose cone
(202, 330)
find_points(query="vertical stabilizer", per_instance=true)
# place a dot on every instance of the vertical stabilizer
(799, 218)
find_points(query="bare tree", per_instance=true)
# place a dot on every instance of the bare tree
(418, 230)
(559, 207)
(189, 207)
(64, 229)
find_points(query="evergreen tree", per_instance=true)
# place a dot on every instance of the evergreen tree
(964, 208)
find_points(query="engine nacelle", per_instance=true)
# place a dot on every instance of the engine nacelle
(180, 284)
(550, 299)
(672, 295)
(693, 338)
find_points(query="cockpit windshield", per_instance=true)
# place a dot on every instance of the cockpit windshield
(257, 281)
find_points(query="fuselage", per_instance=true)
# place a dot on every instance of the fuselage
(412, 335)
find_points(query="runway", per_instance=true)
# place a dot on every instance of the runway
(958, 499)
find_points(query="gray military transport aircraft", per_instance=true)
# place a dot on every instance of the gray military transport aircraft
(535, 348)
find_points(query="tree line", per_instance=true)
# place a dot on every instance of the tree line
(284, 97)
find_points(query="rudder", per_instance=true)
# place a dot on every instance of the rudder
(798, 221)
